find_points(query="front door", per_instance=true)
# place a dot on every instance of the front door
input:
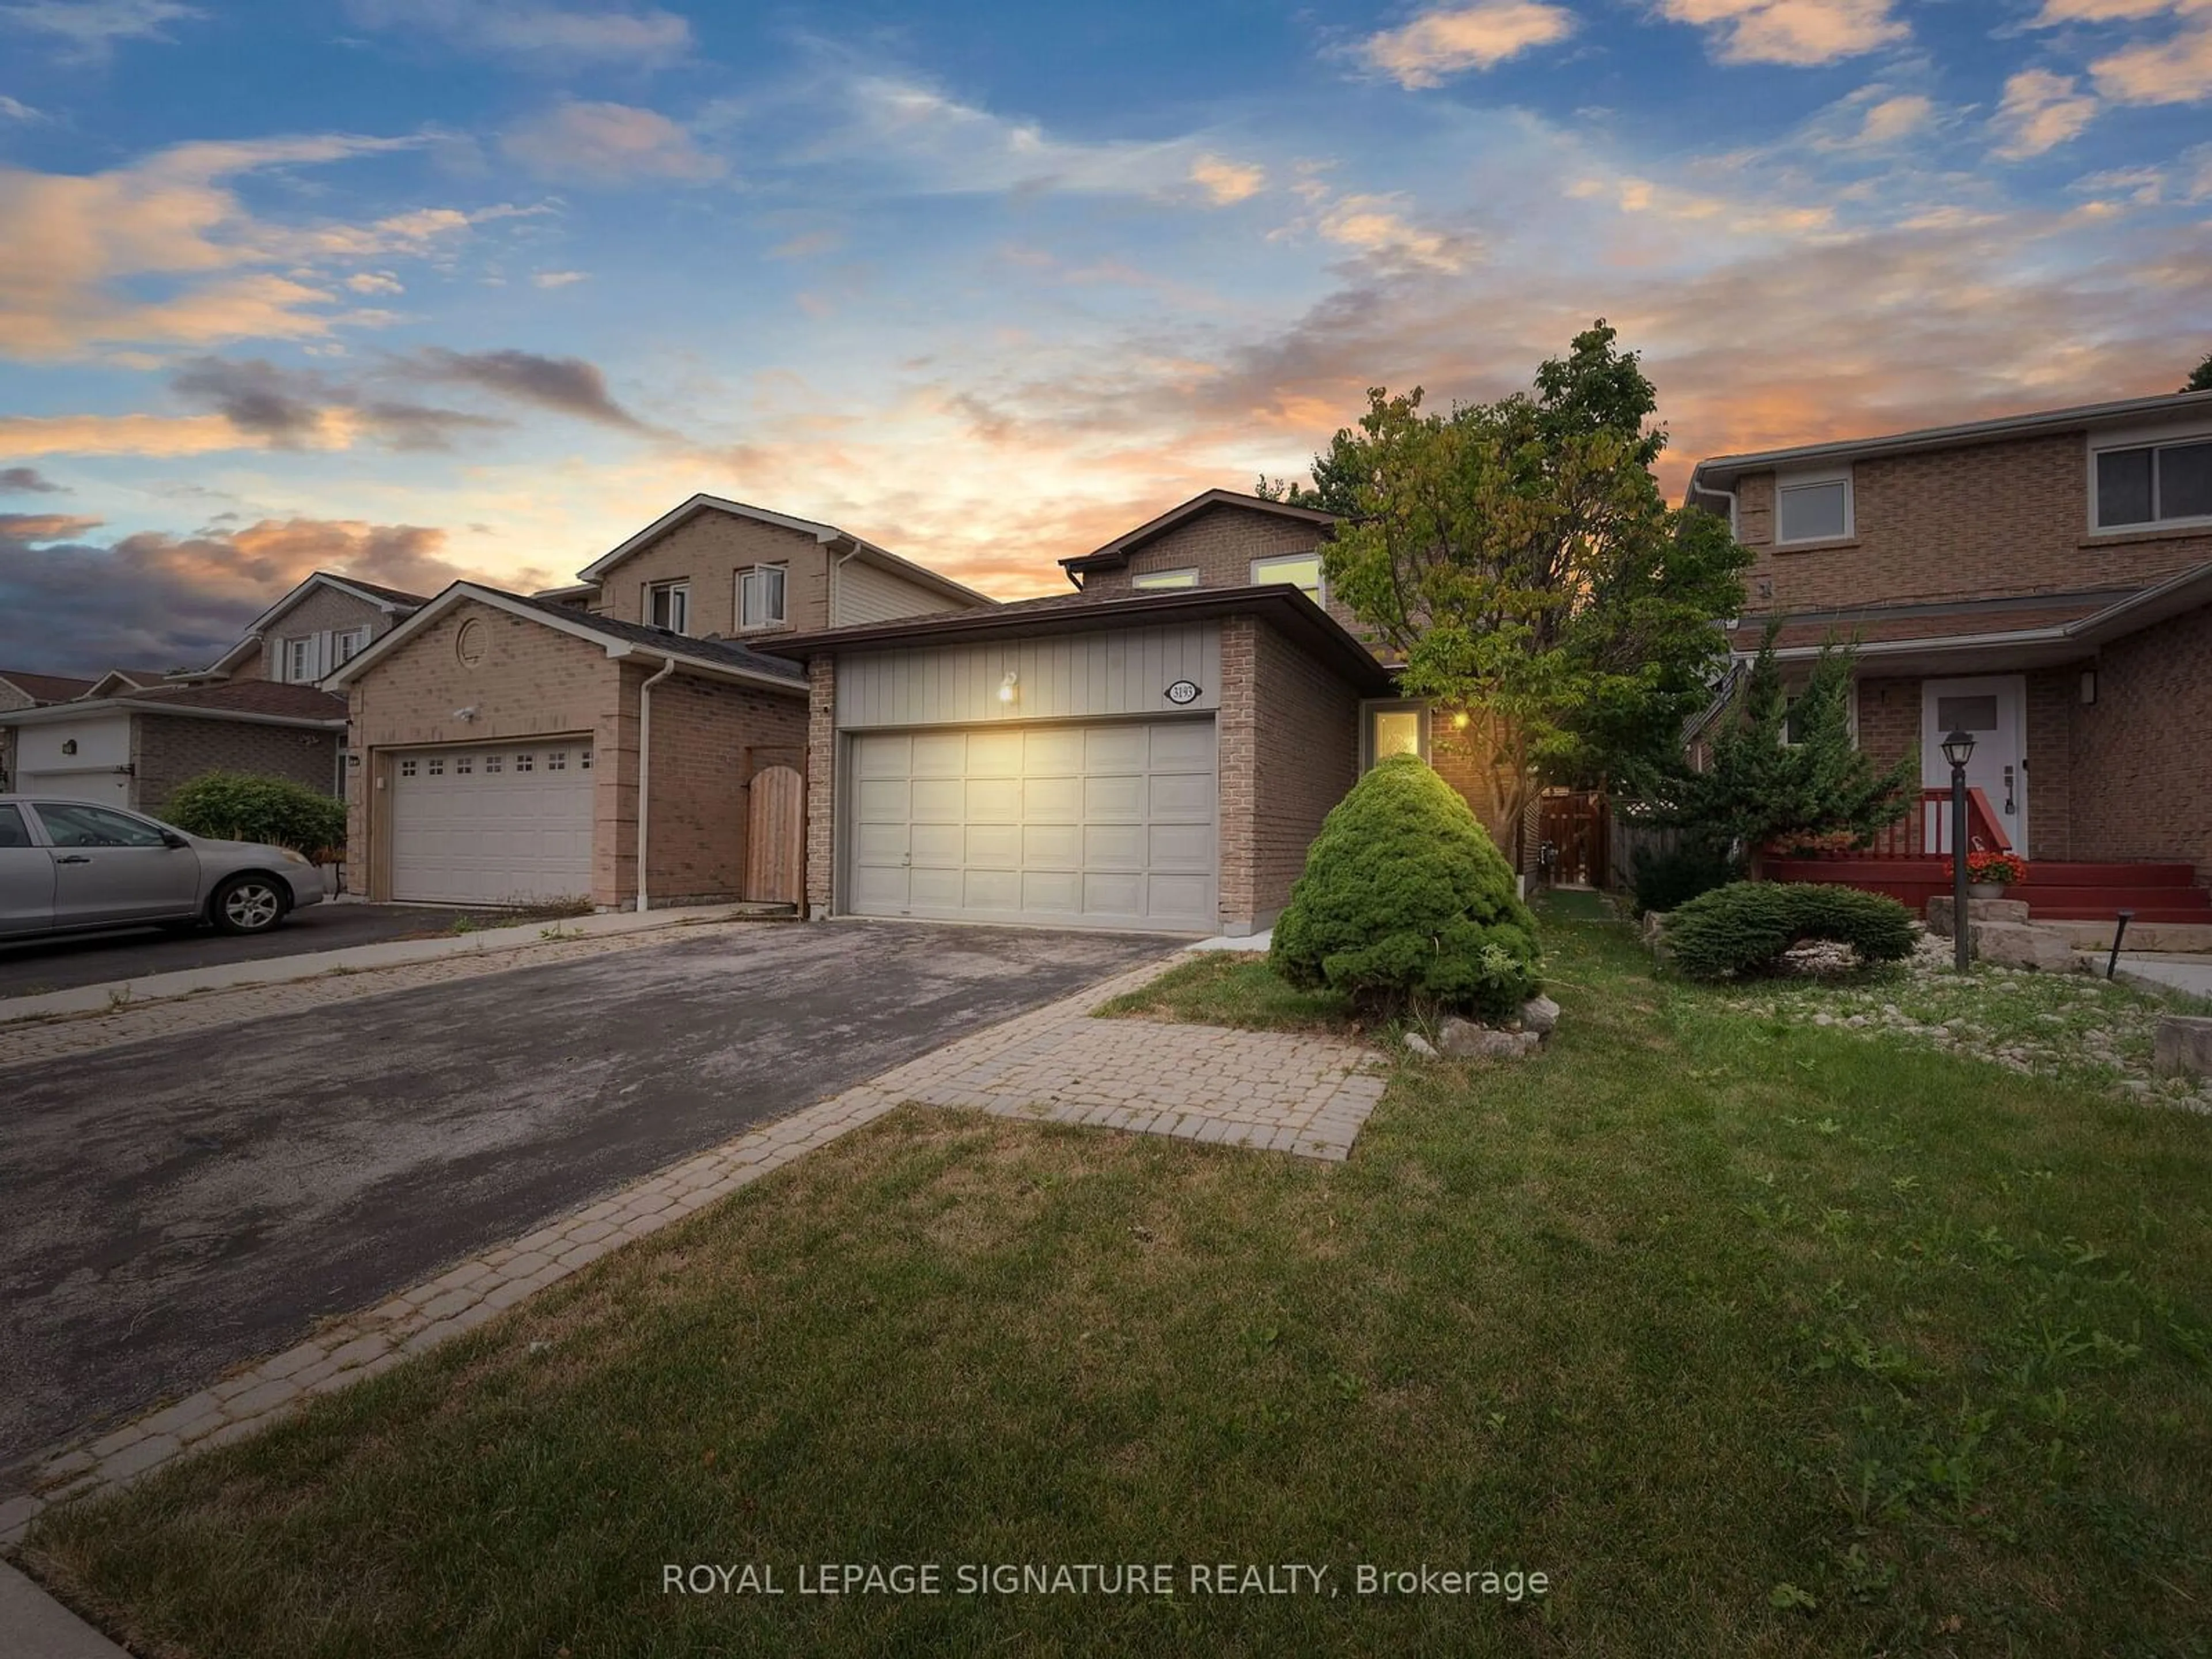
(1993, 708)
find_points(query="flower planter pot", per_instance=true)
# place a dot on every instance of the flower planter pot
(1986, 889)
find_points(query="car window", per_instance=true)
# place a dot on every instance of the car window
(69, 825)
(13, 830)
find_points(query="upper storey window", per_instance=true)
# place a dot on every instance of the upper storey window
(1153, 581)
(1300, 570)
(668, 605)
(2154, 484)
(1813, 506)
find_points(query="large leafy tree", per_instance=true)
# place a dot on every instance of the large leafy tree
(1519, 558)
(2200, 378)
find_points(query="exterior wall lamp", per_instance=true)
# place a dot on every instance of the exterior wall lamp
(1009, 687)
(1959, 749)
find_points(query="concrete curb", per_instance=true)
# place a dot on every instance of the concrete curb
(394, 953)
(39, 1627)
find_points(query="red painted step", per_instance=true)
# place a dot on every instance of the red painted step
(2056, 889)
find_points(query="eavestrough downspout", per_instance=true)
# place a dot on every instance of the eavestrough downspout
(645, 769)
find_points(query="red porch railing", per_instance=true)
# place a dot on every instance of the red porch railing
(1927, 833)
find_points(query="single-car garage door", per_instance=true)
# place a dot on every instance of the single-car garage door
(1106, 826)
(504, 825)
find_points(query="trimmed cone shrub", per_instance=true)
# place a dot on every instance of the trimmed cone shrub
(1407, 901)
(1744, 928)
(247, 807)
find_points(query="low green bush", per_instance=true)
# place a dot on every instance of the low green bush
(1407, 901)
(1743, 928)
(247, 807)
(1661, 881)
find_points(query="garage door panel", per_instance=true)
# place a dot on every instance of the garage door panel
(1114, 799)
(1052, 800)
(1052, 846)
(1115, 748)
(503, 824)
(997, 801)
(1108, 825)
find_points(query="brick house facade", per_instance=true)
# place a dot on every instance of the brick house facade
(2021, 574)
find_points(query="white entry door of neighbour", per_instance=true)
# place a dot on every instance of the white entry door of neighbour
(506, 824)
(1104, 825)
(1994, 709)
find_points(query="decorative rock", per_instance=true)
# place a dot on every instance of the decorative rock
(2009, 945)
(1416, 1043)
(1540, 1015)
(2183, 1046)
(1463, 1039)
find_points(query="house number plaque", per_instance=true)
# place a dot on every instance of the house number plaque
(1182, 692)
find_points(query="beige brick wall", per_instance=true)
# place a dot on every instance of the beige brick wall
(326, 609)
(709, 738)
(171, 749)
(1237, 761)
(533, 681)
(2140, 787)
(1993, 520)
(709, 551)
(821, 784)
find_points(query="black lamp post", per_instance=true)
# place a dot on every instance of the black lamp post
(1959, 749)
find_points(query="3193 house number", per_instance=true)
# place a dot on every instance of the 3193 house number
(1182, 692)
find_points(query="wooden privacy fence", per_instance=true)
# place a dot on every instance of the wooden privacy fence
(775, 837)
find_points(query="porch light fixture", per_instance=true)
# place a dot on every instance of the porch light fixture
(1459, 721)
(1009, 687)
(1959, 749)
(2088, 688)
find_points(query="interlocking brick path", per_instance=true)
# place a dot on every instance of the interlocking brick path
(1267, 1091)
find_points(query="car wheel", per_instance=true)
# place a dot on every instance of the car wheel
(247, 904)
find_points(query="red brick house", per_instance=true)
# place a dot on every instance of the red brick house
(2044, 581)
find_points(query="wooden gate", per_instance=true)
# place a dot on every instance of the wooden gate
(775, 838)
(1575, 827)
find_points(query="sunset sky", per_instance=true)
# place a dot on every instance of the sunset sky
(428, 287)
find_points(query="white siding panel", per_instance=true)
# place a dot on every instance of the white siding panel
(866, 594)
(1060, 678)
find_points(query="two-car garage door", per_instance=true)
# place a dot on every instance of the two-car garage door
(1103, 825)
(506, 823)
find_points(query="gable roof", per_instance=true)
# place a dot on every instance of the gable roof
(1719, 472)
(258, 702)
(1117, 552)
(720, 659)
(827, 534)
(1285, 608)
(392, 601)
(117, 680)
(46, 687)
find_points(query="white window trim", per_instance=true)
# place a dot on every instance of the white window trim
(2159, 437)
(782, 620)
(1162, 581)
(680, 585)
(356, 637)
(1800, 480)
(1320, 573)
(296, 676)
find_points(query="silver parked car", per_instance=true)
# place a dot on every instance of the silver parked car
(70, 865)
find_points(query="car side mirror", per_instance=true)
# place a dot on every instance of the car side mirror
(171, 838)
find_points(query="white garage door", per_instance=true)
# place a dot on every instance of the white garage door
(107, 787)
(507, 825)
(1110, 825)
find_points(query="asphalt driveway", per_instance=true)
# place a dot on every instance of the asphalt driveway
(168, 1210)
(30, 966)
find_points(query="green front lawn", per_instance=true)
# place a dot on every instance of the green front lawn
(1754, 1337)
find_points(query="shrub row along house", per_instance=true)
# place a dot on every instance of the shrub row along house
(736, 702)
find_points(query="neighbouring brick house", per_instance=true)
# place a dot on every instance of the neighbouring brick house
(314, 630)
(2044, 581)
(513, 748)
(132, 746)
